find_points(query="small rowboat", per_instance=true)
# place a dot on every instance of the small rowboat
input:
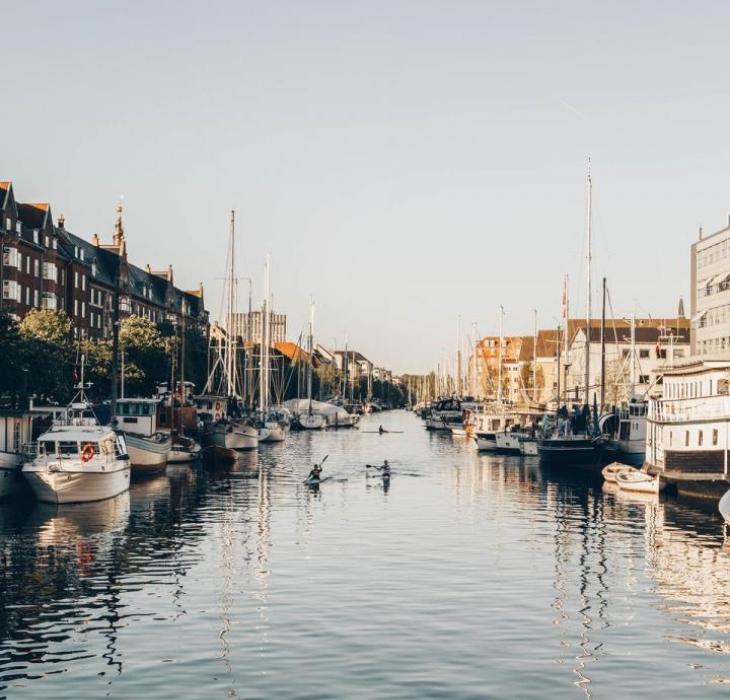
(611, 471)
(724, 507)
(638, 481)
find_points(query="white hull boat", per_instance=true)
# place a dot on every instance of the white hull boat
(312, 421)
(235, 436)
(638, 482)
(724, 507)
(486, 441)
(611, 471)
(78, 464)
(148, 455)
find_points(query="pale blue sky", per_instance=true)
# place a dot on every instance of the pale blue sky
(403, 162)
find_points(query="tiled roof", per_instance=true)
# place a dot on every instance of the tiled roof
(33, 215)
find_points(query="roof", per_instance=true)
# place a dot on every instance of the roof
(33, 215)
(292, 351)
(642, 334)
(352, 355)
(4, 189)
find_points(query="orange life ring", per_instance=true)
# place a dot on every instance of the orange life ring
(88, 452)
(217, 405)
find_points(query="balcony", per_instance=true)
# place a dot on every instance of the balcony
(688, 410)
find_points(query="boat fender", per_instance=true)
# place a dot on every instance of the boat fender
(87, 452)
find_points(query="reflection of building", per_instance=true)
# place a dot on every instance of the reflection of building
(250, 326)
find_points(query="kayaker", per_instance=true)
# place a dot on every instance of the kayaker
(384, 470)
(381, 430)
(316, 473)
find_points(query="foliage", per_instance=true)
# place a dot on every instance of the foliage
(146, 361)
(13, 360)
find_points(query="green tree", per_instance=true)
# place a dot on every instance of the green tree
(146, 360)
(48, 353)
(12, 376)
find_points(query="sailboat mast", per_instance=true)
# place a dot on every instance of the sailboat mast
(458, 356)
(534, 358)
(588, 284)
(264, 355)
(499, 369)
(230, 342)
(310, 344)
(603, 347)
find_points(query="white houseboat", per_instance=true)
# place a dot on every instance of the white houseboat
(15, 431)
(688, 429)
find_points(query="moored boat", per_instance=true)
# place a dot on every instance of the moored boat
(638, 481)
(78, 463)
(148, 447)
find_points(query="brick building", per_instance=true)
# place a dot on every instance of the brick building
(45, 266)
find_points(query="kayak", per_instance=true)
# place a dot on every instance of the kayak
(315, 482)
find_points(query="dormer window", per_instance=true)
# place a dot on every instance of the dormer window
(81, 253)
(93, 269)
(18, 227)
(55, 244)
(36, 236)
(8, 223)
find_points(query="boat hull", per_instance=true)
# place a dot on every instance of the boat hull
(486, 442)
(277, 433)
(233, 437)
(313, 421)
(508, 443)
(576, 453)
(11, 479)
(147, 457)
(77, 487)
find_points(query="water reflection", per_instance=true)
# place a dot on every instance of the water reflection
(237, 573)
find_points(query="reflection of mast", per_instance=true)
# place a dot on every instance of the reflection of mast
(228, 573)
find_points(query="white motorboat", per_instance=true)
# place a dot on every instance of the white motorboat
(277, 422)
(148, 448)
(445, 415)
(611, 471)
(638, 481)
(528, 447)
(78, 463)
(488, 426)
(508, 442)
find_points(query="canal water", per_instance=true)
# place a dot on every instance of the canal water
(470, 576)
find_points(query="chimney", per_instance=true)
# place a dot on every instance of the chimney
(699, 234)
(680, 310)
(61, 221)
(95, 240)
(148, 269)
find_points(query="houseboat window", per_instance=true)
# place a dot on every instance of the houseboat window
(670, 438)
(686, 438)
(16, 435)
(722, 386)
(714, 436)
(699, 438)
(46, 448)
(67, 448)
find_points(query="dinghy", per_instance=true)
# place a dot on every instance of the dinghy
(611, 471)
(638, 481)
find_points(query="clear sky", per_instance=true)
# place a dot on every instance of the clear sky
(404, 162)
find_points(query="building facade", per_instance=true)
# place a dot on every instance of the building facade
(45, 266)
(710, 294)
(250, 327)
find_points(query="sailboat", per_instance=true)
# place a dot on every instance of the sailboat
(274, 421)
(219, 407)
(566, 447)
(310, 420)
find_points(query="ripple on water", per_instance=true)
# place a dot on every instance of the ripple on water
(470, 576)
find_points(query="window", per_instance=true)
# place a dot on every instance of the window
(83, 309)
(49, 301)
(686, 438)
(48, 242)
(50, 272)
(83, 282)
(714, 436)
(11, 290)
(661, 354)
(27, 264)
(700, 437)
(36, 236)
(35, 297)
(643, 379)
(644, 354)
(76, 307)
(76, 279)
(36, 268)
(12, 258)
(8, 223)
(27, 296)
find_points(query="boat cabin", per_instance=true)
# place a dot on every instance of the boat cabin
(59, 444)
(211, 408)
(138, 416)
(16, 429)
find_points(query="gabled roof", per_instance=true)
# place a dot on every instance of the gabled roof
(4, 189)
(292, 351)
(34, 215)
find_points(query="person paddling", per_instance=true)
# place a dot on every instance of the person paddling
(384, 470)
(316, 473)
(381, 430)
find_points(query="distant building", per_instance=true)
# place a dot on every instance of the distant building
(710, 294)
(45, 266)
(250, 327)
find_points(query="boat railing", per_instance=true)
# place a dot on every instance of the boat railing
(680, 411)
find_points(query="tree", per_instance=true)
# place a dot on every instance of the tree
(145, 358)
(48, 353)
(13, 357)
